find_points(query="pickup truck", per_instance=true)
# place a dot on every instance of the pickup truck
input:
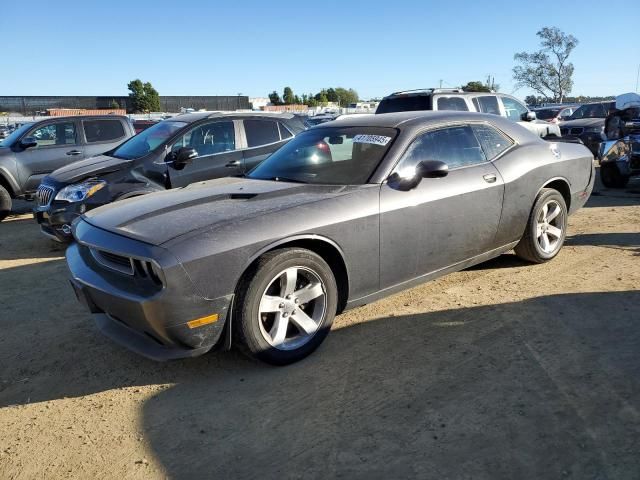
(36, 149)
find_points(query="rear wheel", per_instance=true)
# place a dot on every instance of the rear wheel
(611, 176)
(546, 228)
(285, 306)
(5, 203)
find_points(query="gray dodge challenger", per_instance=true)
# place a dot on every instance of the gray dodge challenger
(342, 215)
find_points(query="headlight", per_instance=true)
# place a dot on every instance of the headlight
(80, 191)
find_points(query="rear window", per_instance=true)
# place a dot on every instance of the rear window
(547, 114)
(404, 104)
(102, 130)
(452, 103)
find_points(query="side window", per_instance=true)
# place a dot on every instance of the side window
(261, 132)
(487, 104)
(514, 109)
(63, 133)
(102, 130)
(455, 146)
(452, 103)
(209, 138)
(493, 141)
(284, 132)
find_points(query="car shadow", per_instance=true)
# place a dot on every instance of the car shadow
(506, 260)
(619, 241)
(547, 387)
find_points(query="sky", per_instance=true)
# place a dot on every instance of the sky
(200, 47)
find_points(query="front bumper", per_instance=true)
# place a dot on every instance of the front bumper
(55, 220)
(146, 319)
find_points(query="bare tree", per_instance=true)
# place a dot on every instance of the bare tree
(547, 71)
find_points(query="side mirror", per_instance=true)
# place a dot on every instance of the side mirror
(28, 142)
(529, 116)
(408, 179)
(432, 169)
(184, 156)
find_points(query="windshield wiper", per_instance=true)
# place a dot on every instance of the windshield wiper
(285, 179)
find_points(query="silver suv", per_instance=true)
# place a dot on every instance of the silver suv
(457, 99)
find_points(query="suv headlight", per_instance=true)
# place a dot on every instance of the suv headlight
(79, 191)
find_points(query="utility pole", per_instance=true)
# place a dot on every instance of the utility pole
(440, 83)
(637, 77)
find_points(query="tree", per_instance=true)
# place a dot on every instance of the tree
(114, 104)
(547, 71)
(476, 87)
(287, 96)
(531, 100)
(274, 98)
(345, 97)
(144, 97)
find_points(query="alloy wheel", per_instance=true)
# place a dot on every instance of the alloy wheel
(549, 224)
(292, 308)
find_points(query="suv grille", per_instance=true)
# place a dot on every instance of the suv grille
(44, 195)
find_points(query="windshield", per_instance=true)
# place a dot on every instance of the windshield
(547, 114)
(594, 110)
(330, 156)
(7, 142)
(147, 140)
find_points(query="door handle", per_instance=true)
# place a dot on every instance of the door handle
(489, 178)
(74, 152)
(233, 163)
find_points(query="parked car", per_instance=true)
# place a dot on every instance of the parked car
(620, 154)
(267, 260)
(140, 125)
(555, 114)
(318, 119)
(5, 131)
(172, 153)
(457, 99)
(35, 149)
(587, 124)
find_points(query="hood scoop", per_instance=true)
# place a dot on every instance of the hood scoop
(242, 196)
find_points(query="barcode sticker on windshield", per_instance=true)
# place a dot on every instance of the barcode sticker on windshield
(373, 139)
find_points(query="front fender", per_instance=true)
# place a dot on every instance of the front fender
(8, 174)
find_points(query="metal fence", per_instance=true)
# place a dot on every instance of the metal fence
(32, 105)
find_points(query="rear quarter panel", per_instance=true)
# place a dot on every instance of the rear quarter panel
(527, 169)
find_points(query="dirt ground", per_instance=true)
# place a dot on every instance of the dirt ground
(505, 371)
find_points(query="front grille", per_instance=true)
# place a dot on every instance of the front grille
(564, 131)
(44, 195)
(577, 130)
(114, 262)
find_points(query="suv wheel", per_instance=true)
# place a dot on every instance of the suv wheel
(5, 203)
(285, 306)
(611, 176)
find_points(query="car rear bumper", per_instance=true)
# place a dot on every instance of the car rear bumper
(580, 198)
(154, 323)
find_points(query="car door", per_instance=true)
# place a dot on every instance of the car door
(57, 144)
(215, 141)
(442, 221)
(263, 137)
(101, 135)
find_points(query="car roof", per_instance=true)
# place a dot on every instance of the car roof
(197, 116)
(82, 117)
(412, 118)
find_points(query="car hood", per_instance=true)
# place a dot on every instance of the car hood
(160, 217)
(583, 122)
(90, 167)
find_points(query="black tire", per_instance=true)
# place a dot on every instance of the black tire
(5, 203)
(529, 248)
(611, 176)
(249, 323)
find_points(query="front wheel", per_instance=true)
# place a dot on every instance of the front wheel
(5, 203)
(611, 176)
(546, 228)
(285, 306)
